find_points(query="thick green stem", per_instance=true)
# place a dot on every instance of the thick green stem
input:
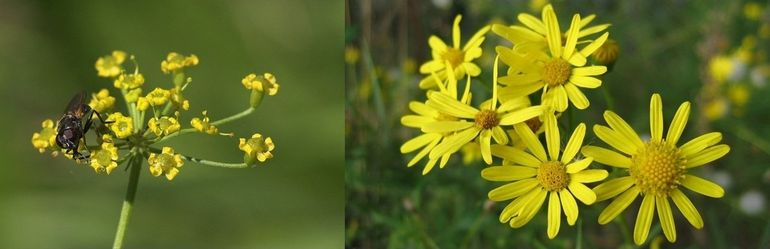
(128, 202)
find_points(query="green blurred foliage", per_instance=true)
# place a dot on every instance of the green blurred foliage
(665, 47)
(48, 50)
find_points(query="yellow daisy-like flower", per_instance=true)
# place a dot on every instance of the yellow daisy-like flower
(425, 114)
(263, 83)
(129, 81)
(559, 72)
(105, 158)
(102, 101)
(203, 125)
(122, 126)
(110, 65)
(46, 138)
(164, 125)
(536, 175)
(460, 60)
(657, 169)
(175, 62)
(256, 148)
(487, 122)
(535, 31)
(166, 163)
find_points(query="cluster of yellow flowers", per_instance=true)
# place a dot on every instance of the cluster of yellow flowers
(126, 136)
(548, 70)
(739, 71)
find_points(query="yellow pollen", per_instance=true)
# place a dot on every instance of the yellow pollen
(657, 168)
(487, 119)
(454, 56)
(556, 72)
(553, 176)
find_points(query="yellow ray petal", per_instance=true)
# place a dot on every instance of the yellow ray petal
(443, 103)
(656, 118)
(574, 143)
(499, 135)
(644, 219)
(614, 139)
(578, 166)
(529, 211)
(453, 143)
(678, 124)
(517, 34)
(588, 176)
(419, 142)
(415, 121)
(512, 190)
(436, 43)
(514, 208)
(507, 173)
(703, 186)
(572, 35)
(569, 205)
(429, 166)
(592, 30)
(522, 115)
(552, 138)
(446, 126)
(619, 125)
(585, 81)
(485, 139)
(589, 71)
(582, 193)
(613, 187)
(532, 22)
(554, 215)
(424, 152)
(666, 218)
(588, 50)
(707, 156)
(687, 208)
(618, 205)
(607, 157)
(553, 34)
(477, 38)
(456, 32)
(515, 155)
(576, 96)
(530, 140)
(700, 143)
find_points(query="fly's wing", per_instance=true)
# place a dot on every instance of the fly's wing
(76, 105)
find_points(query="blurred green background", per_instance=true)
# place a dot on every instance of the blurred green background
(712, 53)
(48, 50)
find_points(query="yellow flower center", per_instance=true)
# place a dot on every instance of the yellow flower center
(553, 176)
(487, 119)
(166, 161)
(556, 72)
(657, 168)
(454, 56)
(102, 157)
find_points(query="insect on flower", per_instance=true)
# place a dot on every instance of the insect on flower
(71, 128)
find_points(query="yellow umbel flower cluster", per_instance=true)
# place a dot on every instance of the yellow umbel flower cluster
(129, 136)
(548, 71)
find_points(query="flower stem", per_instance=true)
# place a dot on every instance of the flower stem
(234, 117)
(206, 162)
(128, 202)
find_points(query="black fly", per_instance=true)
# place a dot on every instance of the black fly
(71, 128)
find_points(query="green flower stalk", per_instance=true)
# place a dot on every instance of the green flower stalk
(150, 120)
